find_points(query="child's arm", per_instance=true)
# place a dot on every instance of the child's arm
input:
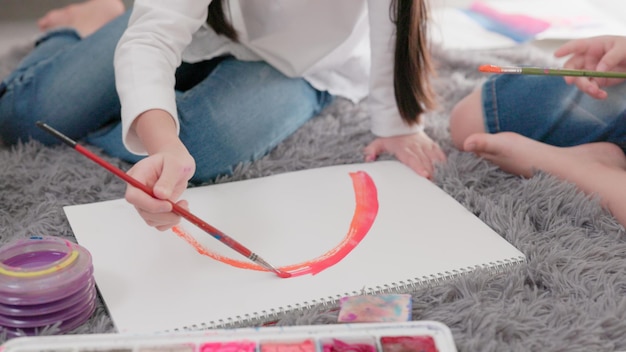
(146, 59)
(408, 143)
(147, 56)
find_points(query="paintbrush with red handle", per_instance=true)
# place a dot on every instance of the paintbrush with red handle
(176, 209)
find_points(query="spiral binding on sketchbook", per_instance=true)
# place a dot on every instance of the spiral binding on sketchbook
(408, 286)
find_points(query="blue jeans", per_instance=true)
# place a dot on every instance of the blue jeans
(230, 111)
(547, 109)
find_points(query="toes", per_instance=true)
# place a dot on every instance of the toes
(475, 143)
(53, 19)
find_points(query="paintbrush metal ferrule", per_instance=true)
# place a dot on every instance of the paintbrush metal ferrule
(511, 70)
(255, 258)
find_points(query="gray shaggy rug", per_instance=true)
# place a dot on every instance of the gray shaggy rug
(570, 296)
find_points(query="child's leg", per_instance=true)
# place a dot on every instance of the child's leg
(236, 114)
(545, 109)
(109, 138)
(466, 118)
(596, 168)
(240, 112)
(541, 109)
(67, 82)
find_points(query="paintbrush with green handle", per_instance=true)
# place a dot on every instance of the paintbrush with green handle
(548, 71)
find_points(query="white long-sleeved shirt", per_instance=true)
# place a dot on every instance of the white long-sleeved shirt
(345, 47)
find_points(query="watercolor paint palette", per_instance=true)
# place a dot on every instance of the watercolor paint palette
(418, 336)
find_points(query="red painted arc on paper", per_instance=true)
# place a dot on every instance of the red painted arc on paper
(364, 215)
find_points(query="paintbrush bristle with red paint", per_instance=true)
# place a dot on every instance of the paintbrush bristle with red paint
(176, 209)
(545, 71)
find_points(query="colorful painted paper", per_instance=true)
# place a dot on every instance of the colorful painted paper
(525, 20)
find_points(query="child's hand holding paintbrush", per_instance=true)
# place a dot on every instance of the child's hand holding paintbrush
(593, 63)
(179, 209)
(154, 210)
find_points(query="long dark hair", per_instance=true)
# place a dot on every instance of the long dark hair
(412, 63)
(217, 20)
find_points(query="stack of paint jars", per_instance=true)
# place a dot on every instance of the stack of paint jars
(46, 286)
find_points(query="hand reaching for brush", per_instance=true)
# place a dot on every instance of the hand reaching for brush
(602, 53)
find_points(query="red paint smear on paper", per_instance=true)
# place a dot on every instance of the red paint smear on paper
(364, 215)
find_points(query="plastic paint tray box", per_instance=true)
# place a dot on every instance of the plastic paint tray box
(426, 336)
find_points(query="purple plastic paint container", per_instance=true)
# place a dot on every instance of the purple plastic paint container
(44, 281)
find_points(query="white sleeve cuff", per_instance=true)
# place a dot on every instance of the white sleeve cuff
(135, 107)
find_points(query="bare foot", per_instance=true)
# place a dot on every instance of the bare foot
(596, 168)
(523, 156)
(86, 17)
